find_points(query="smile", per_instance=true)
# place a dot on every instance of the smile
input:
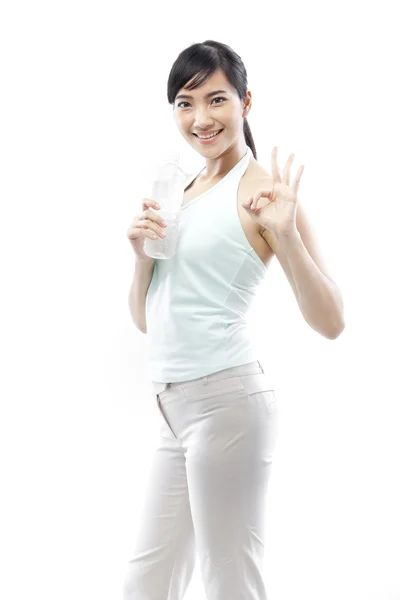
(208, 139)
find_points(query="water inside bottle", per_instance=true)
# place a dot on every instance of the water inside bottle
(163, 248)
(167, 190)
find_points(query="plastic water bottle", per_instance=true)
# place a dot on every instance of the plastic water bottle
(167, 190)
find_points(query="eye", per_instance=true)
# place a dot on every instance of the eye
(217, 98)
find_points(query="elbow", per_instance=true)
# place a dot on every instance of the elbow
(334, 333)
(138, 318)
(140, 325)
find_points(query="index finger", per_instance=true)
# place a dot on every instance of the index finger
(148, 202)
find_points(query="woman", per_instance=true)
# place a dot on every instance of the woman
(218, 409)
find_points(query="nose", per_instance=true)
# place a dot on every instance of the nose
(202, 120)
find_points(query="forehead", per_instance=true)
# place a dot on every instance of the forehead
(217, 81)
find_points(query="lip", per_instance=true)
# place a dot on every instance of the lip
(210, 140)
(206, 132)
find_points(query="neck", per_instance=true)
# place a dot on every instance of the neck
(218, 167)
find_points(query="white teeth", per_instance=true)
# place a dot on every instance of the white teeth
(208, 136)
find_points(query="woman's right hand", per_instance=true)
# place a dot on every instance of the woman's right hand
(145, 224)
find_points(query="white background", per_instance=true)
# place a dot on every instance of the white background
(83, 114)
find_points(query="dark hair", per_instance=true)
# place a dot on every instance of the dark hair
(202, 60)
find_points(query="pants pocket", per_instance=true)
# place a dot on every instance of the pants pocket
(271, 402)
(258, 387)
(160, 408)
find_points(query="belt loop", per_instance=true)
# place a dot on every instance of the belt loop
(260, 366)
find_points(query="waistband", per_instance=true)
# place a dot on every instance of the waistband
(252, 368)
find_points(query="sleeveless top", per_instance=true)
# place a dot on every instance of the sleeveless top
(197, 300)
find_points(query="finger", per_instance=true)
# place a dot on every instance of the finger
(151, 226)
(253, 201)
(256, 198)
(296, 182)
(249, 202)
(286, 170)
(274, 165)
(148, 203)
(143, 232)
(149, 214)
(253, 205)
(148, 233)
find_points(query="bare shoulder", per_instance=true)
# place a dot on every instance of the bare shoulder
(256, 172)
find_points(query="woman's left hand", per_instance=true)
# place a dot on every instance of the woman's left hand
(275, 208)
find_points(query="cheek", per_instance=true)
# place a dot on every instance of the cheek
(229, 119)
(183, 124)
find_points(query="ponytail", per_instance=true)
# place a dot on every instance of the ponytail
(249, 137)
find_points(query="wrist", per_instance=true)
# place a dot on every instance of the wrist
(144, 261)
(287, 234)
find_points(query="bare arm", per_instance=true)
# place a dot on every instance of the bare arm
(144, 267)
(138, 292)
(318, 296)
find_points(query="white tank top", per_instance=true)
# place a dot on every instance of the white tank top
(197, 300)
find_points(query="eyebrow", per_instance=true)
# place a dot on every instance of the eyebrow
(206, 96)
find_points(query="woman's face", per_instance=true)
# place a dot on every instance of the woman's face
(202, 111)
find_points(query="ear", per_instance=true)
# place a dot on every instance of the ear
(247, 103)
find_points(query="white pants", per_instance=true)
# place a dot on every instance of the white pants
(207, 488)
